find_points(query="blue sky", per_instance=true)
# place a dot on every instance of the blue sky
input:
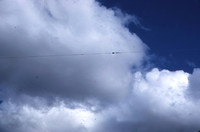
(58, 72)
(174, 33)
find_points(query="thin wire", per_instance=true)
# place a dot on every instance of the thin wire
(85, 54)
(67, 55)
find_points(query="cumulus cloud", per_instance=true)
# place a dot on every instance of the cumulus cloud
(158, 101)
(58, 118)
(194, 90)
(85, 93)
(31, 28)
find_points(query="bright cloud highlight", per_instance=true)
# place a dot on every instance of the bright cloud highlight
(88, 93)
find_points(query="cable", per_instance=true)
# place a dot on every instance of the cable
(85, 54)
(67, 55)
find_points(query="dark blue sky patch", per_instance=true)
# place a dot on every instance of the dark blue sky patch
(175, 28)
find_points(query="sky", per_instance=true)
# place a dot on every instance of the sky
(173, 29)
(99, 66)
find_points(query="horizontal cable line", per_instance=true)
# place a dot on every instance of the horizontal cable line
(86, 54)
(67, 55)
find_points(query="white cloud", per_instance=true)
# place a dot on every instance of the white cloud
(158, 102)
(194, 85)
(30, 28)
(60, 118)
(85, 93)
